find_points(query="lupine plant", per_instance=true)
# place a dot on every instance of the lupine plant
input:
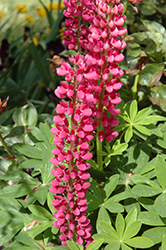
(94, 30)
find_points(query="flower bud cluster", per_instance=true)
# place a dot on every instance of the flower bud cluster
(91, 86)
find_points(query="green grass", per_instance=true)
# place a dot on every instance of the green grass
(17, 21)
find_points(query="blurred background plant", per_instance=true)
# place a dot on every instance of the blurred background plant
(29, 36)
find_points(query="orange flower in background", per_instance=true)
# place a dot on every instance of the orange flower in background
(48, 30)
(29, 19)
(1, 14)
(41, 11)
(3, 104)
(21, 8)
(135, 1)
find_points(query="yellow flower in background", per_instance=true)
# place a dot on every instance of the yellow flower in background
(1, 14)
(54, 6)
(22, 8)
(35, 41)
(61, 33)
(62, 6)
(29, 19)
(41, 11)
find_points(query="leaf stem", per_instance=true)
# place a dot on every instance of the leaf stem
(135, 87)
(99, 149)
(6, 146)
(125, 8)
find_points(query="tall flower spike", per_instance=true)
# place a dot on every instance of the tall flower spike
(91, 86)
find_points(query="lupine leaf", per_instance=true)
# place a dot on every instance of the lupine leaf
(125, 247)
(142, 129)
(131, 217)
(37, 229)
(16, 191)
(41, 212)
(160, 169)
(27, 240)
(133, 110)
(108, 229)
(103, 236)
(145, 190)
(163, 242)
(120, 225)
(29, 150)
(140, 242)
(113, 207)
(110, 186)
(72, 245)
(41, 194)
(10, 230)
(103, 215)
(160, 205)
(155, 234)
(132, 230)
(128, 134)
(95, 245)
(114, 245)
(142, 114)
(150, 119)
(151, 218)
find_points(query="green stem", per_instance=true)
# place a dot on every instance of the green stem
(125, 8)
(99, 149)
(6, 146)
(135, 87)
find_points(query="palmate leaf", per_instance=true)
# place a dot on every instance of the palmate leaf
(124, 234)
(137, 123)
